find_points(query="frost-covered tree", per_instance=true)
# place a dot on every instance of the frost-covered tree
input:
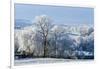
(87, 43)
(43, 24)
(90, 30)
(84, 31)
(16, 43)
(63, 44)
(57, 33)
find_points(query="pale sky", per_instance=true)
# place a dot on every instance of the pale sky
(59, 14)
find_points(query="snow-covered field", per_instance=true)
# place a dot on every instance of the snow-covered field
(38, 60)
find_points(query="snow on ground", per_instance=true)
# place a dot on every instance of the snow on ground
(38, 60)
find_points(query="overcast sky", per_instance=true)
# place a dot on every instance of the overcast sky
(59, 14)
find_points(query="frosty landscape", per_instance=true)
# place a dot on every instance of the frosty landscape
(44, 41)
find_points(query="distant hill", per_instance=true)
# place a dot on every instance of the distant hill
(21, 23)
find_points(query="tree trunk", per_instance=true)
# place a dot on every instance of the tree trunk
(45, 48)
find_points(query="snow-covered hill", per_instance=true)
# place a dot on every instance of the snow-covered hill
(21, 23)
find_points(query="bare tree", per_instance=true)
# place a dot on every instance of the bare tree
(43, 24)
